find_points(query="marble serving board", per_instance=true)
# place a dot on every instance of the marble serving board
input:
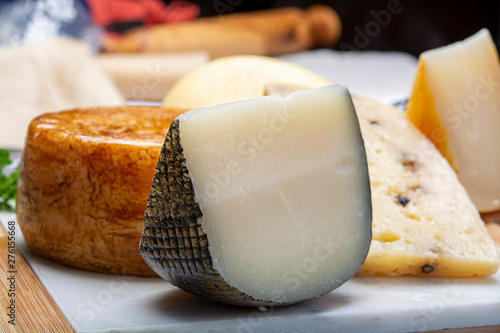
(94, 302)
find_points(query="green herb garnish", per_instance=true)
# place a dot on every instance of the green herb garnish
(8, 183)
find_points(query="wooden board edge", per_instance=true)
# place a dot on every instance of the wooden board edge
(29, 307)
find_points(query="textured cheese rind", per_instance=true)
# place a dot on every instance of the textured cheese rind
(84, 179)
(439, 228)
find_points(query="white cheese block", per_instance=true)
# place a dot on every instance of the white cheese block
(283, 191)
(55, 75)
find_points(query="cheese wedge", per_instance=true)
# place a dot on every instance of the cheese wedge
(84, 179)
(456, 103)
(261, 202)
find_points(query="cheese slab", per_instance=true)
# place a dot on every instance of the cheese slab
(261, 202)
(424, 223)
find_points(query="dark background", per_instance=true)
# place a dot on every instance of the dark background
(420, 25)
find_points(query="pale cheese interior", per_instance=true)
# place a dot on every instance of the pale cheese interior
(283, 186)
(465, 79)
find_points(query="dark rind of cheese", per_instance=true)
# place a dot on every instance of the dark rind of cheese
(173, 243)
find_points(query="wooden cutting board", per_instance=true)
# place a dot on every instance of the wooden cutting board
(31, 310)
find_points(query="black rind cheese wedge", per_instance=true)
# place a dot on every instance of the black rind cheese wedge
(261, 202)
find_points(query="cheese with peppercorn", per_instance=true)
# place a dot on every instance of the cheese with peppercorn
(424, 223)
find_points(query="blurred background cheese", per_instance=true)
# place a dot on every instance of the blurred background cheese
(148, 77)
(235, 78)
(50, 76)
(456, 103)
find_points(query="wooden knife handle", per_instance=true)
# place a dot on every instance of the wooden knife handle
(267, 32)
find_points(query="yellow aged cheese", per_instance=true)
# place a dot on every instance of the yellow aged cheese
(456, 103)
(84, 180)
(424, 223)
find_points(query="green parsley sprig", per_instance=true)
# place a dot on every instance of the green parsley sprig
(8, 183)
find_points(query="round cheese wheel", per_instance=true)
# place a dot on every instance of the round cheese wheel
(84, 180)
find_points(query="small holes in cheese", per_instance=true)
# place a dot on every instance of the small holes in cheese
(386, 237)
(412, 216)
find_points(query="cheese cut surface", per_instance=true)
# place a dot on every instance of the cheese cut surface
(456, 103)
(84, 179)
(268, 199)
(424, 223)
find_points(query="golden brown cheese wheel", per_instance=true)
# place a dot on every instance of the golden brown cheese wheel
(84, 180)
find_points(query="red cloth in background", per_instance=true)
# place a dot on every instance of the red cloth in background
(149, 12)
